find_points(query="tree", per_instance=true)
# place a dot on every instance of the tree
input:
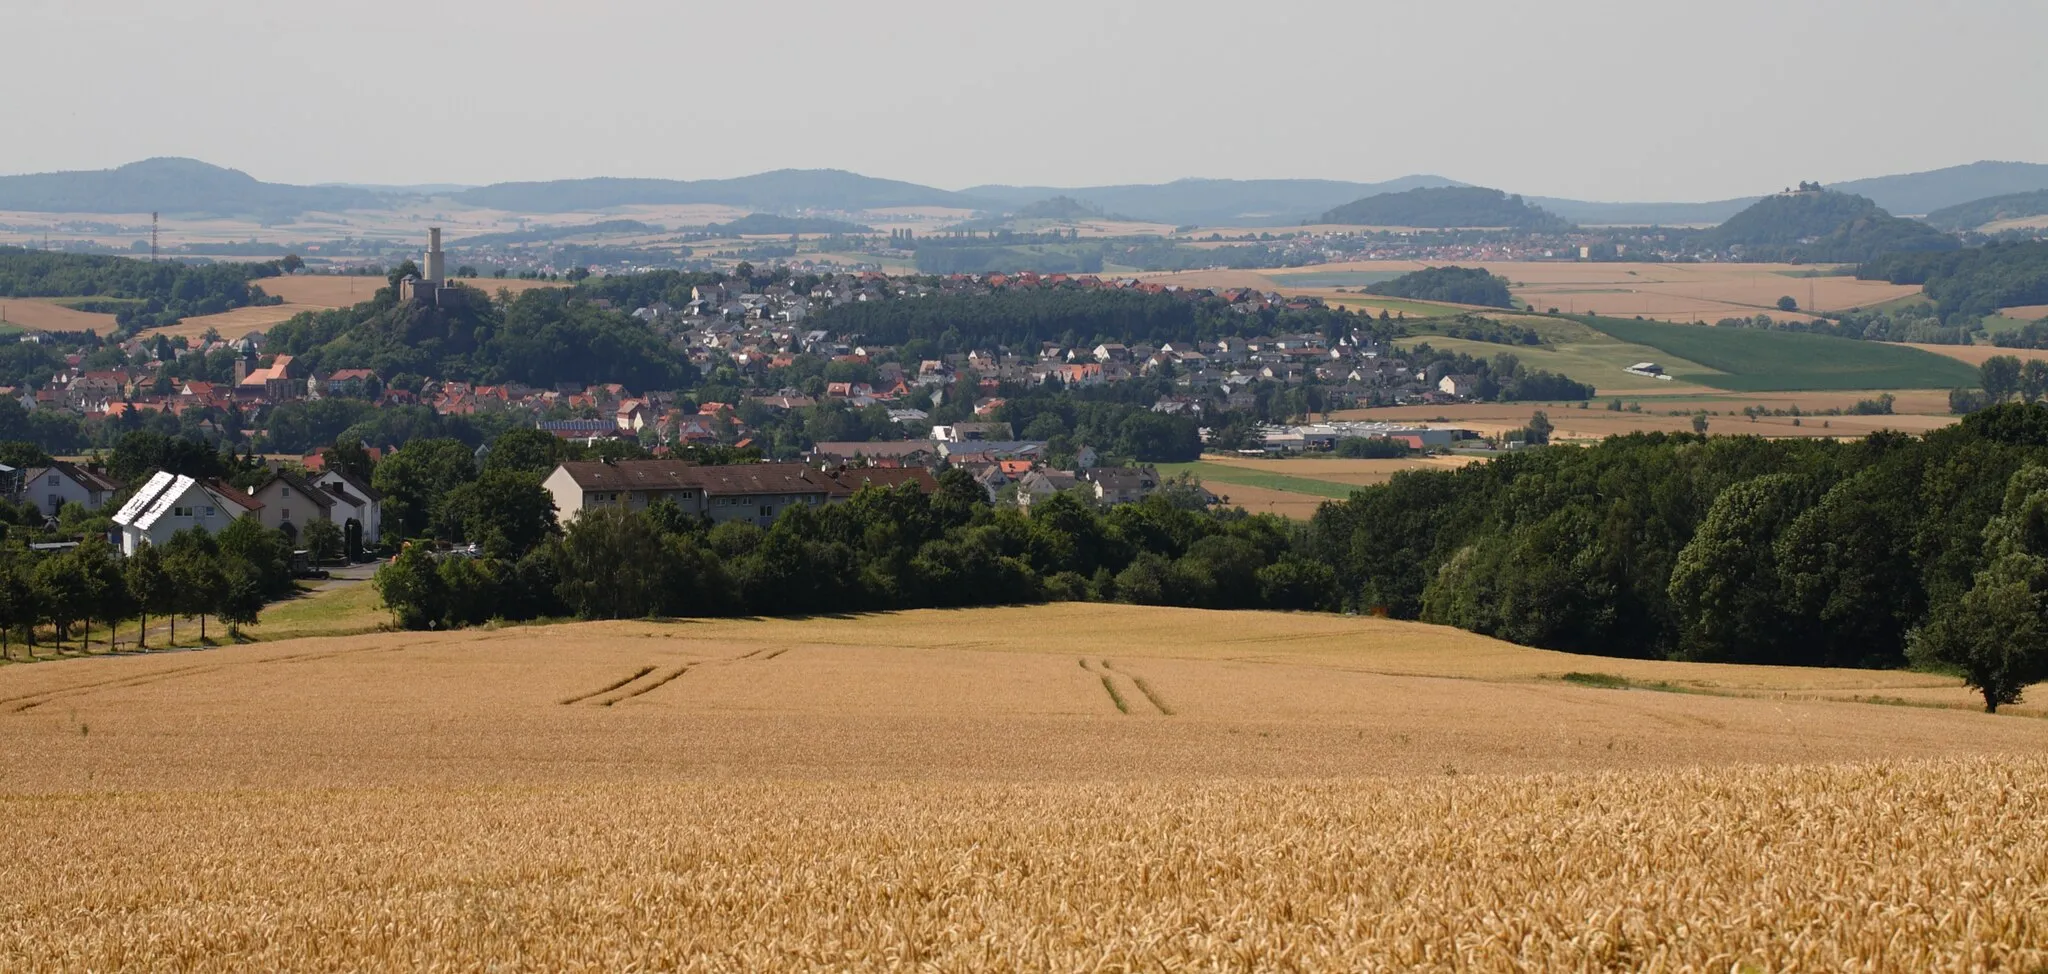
(608, 564)
(109, 599)
(17, 605)
(1699, 422)
(2000, 376)
(1788, 303)
(349, 456)
(2034, 379)
(1997, 633)
(412, 589)
(151, 587)
(291, 264)
(200, 585)
(416, 478)
(1725, 585)
(525, 449)
(62, 590)
(1539, 429)
(323, 539)
(505, 511)
(242, 595)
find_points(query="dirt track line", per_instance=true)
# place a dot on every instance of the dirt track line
(1115, 697)
(1143, 687)
(121, 684)
(651, 687)
(643, 671)
(778, 652)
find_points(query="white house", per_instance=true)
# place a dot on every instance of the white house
(1457, 385)
(289, 503)
(354, 500)
(53, 486)
(169, 503)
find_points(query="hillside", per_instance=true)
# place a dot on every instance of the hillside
(825, 189)
(1641, 214)
(1214, 202)
(1457, 285)
(1976, 213)
(1824, 225)
(767, 223)
(1972, 282)
(172, 186)
(1925, 192)
(1446, 206)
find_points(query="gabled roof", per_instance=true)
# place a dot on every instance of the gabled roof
(359, 485)
(318, 496)
(88, 479)
(145, 504)
(227, 494)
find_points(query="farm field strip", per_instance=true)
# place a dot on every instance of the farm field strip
(1754, 360)
(1059, 787)
(1207, 471)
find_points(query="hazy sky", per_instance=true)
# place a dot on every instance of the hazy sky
(1595, 99)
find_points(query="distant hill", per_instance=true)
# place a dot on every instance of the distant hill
(1823, 225)
(182, 186)
(766, 223)
(1063, 208)
(1925, 192)
(1213, 202)
(826, 189)
(1459, 285)
(1447, 206)
(1642, 214)
(1976, 213)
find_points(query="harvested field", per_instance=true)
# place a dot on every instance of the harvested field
(1066, 786)
(234, 324)
(46, 315)
(1976, 354)
(1266, 500)
(2031, 312)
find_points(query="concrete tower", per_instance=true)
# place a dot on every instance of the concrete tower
(436, 269)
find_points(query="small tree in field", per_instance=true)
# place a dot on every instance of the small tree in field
(1788, 303)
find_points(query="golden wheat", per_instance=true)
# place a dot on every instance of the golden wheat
(1061, 787)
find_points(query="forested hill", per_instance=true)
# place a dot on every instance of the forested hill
(1821, 225)
(1925, 192)
(1973, 282)
(828, 189)
(1976, 213)
(1448, 206)
(181, 186)
(539, 337)
(1213, 202)
(1458, 285)
(767, 223)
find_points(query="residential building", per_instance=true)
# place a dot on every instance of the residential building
(169, 503)
(358, 507)
(59, 483)
(289, 503)
(756, 492)
(1122, 485)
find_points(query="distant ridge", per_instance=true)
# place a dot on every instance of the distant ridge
(172, 185)
(1214, 202)
(829, 189)
(1920, 193)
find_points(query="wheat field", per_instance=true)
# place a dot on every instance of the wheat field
(1068, 787)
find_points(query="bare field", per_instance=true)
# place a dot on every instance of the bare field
(234, 324)
(1265, 500)
(46, 315)
(1976, 354)
(2031, 312)
(1067, 786)
(1338, 470)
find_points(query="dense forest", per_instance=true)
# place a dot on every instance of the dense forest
(1974, 282)
(1817, 225)
(1976, 213)
(1447, 206)
(140, 294)
(1459, 285)
(1872, 553)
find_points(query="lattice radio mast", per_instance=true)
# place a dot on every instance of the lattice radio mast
(152, 236)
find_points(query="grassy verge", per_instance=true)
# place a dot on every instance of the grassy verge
(337, 611)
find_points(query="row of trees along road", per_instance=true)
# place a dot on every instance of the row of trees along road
(230, 575)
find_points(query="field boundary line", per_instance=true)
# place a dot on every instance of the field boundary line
(31, 701)
(643, 671)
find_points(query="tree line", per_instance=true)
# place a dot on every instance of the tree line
(140, 294)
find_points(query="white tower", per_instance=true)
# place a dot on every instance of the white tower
(435, 271)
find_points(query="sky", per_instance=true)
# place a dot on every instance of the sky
(1589, 99)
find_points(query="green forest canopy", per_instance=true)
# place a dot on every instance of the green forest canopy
(1458, 285)
(1819, 225)
(1446, 206)
(144, 293)
(1974, 282)
(1976, 213)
